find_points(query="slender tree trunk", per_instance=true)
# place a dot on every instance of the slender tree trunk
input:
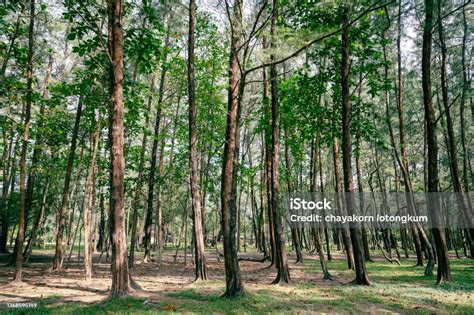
(154, 151)
(38, 221)
(24, 149)
(138, 189)
(170, 186)
(360, 188)
(101, 241)
(88, 204)
(346, 238)
(316, 232)
(199, 254)
(294, 233)
(261, 221)
(268, 158)
(404, 166)
(36, 157)
(38, 146)
(360, 268)
(465, 90)
(463, 199)
(234, 285)
(9, 170)
(444, 271)
(58, 257)
(320, 166)
(159, 204)
(119, 265)
(72, 201)
(464, 95)
(283, 275)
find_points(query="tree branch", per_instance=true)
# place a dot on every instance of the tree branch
(321, 38)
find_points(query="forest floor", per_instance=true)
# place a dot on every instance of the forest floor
(170, 288)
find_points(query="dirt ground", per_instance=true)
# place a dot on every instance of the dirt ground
(69, 284)
(163, 283)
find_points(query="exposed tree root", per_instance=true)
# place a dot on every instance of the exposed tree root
(260, 260)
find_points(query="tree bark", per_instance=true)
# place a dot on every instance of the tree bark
(320, 166)
(199, 254)
(467, 169)
(346, 238)
(9, 170)
(58, 256)
(360, 268)
(154, 151)
(234, 285)
(39, 219)
(101, 242)
(138, 189)
(294, 232)
(444, 272)
(403, 147)
(283, 272)
(316, 231)
(119, 265)
(463, 199)
(268, 158)
(88, 204)
(38, 148)
(24, 149)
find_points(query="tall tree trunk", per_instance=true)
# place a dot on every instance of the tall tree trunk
(261, 221)
(138, 189)
(159, 205)
(360, 188)
(403, 146)
(294, 232)
(58, 256)
(320, 166)
(464, 94)
(444, 271)
(463, 199)
(38, 145)
(360, 268)
(346, 238)
(234, 285)
(88, 204)
(38, 221)
(154, 151)
(283, 274)
(199, 255)
(24, 149)
(268, 158)
(9, 170)
(467, 169)
(119, 265)
(316, 231)
(170, 184)
(101, 242)
(36, 157)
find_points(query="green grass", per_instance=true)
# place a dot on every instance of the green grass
(395, 289)
(406, 287)
(115, 306)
